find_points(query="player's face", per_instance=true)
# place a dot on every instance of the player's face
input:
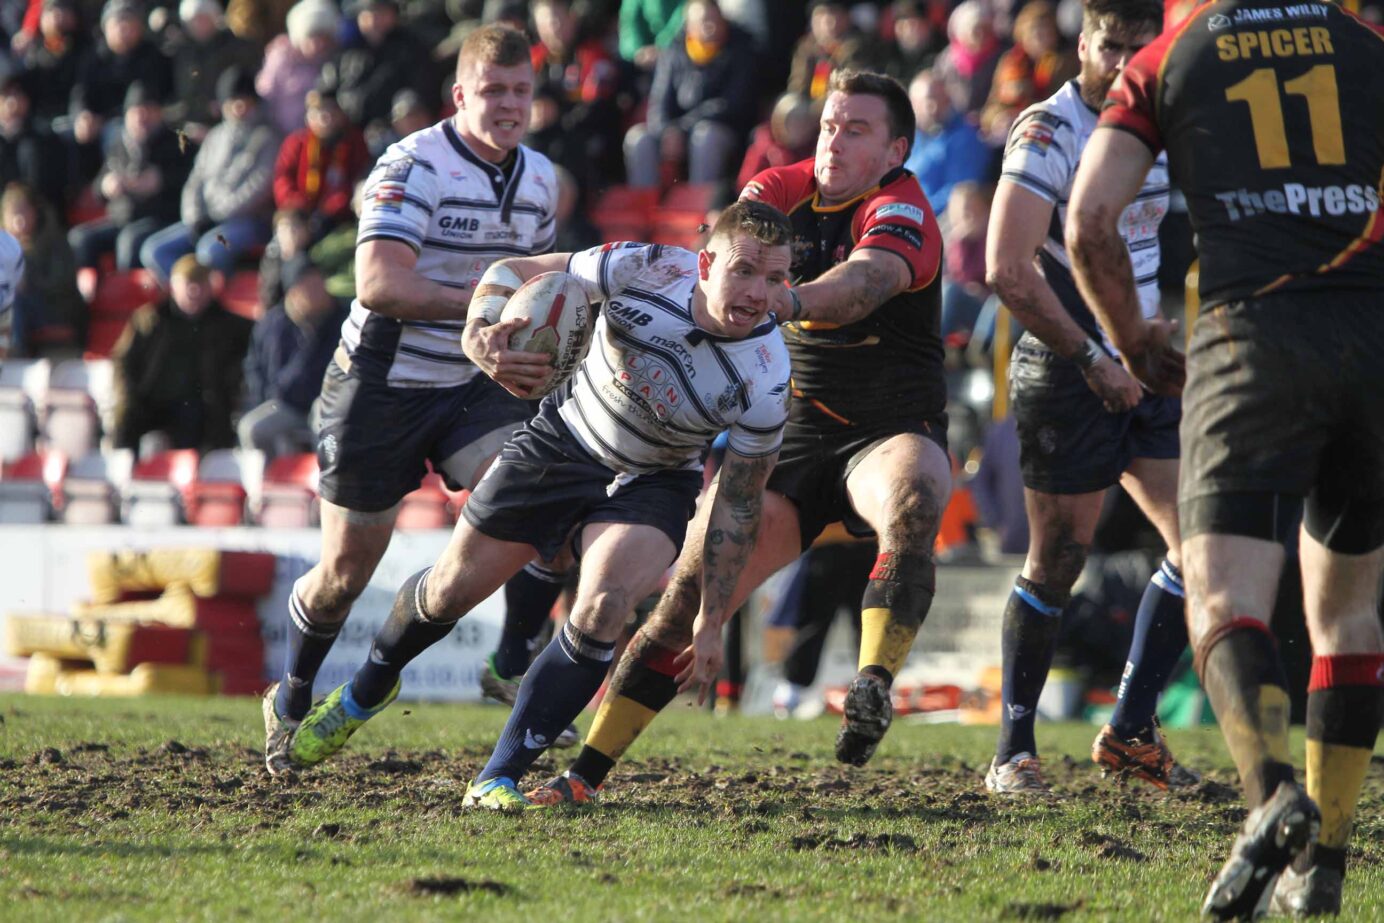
(493, 105)
(1105, 51)
(736, 277)
(854, 149)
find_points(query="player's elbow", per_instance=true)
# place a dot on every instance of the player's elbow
(1085, 224)
(372, 287)
(1005, 276)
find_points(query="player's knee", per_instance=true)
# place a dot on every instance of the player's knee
(1058, 563)
(603, 612)
(338, 587)
(913, 515)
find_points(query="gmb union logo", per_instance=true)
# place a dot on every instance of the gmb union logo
(1219, 21)
(652, 382)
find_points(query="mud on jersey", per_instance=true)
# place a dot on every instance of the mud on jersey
(1270, 114)
(656, 388)
(886, 367)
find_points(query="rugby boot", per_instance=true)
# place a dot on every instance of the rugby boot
(1273, 834)
(1149, 760)
(495, 795)
(567, 788)
(278, 735)
(868, 714)
(1313, 893)
(1021, 775)
(330, 723)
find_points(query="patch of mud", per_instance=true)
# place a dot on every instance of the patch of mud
(1024, 911)
(1107, 847)
(426, 887)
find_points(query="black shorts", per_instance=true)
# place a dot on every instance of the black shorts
(1068, 442)
(545, 485)
(814, 464)
(375, 439)
(1285, 397)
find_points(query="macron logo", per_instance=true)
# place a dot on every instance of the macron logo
(534, 741)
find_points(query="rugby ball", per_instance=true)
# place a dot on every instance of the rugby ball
(560, 323)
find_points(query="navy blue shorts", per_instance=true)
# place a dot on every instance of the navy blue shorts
(814, 465)
(1068, 442)
(375, 439)
(545, 486)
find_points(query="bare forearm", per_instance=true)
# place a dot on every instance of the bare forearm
(1028, 296)
(847, 292)
(731, 532)
(402, 293)
(1105, 278)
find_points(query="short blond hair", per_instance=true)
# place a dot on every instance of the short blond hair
(497, 44)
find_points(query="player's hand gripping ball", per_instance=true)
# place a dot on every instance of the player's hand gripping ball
(560, 323)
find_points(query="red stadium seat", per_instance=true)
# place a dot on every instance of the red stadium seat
(155, 494)
(426, 507)
(30, 486)
(240, 295)
(118, 295)
(86, 207)
(689, 199)
(288, 496)
(217, 496)
(624, 213)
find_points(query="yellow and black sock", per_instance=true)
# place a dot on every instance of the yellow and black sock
(1345, 701)
(896, 601)
(1239, 668)
(643, 686)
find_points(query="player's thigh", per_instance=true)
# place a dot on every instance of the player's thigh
(621, 564)
(1060, 530)
(900, 488)
(353, 542)
(1229, 577)
(1152, 483)
(472, 567)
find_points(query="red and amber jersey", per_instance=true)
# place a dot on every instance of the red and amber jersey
(1271, 116)
(887, 366)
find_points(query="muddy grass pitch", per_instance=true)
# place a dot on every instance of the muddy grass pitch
(160, 809)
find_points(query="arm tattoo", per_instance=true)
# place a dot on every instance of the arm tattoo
(850, 292)
(732, 530)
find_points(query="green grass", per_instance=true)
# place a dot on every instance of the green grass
(160, 809)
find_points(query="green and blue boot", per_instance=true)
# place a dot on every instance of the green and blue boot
(330, 723)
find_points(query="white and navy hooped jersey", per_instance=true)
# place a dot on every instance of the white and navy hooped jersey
(460, 213)
(1044, 148)
(655, 388)
(11, 274)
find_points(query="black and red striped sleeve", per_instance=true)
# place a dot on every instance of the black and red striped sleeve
(1132, 102)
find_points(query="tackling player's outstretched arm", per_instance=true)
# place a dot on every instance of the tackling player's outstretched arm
(731, 531)
(1019, 224)
(1111, 174)
(485, 340)
(852, 290)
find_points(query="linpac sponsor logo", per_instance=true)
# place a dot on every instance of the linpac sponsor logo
(1297, 199)
(901, 210)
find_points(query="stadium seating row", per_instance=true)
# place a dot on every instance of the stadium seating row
(629, 213)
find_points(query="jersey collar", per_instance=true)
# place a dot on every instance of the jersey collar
(884, 180)
(504, 187)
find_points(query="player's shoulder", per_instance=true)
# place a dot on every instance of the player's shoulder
(784, 186)
(418, 154)
(652, 270)
(1056, 120)
(900, 196)
(763, 352)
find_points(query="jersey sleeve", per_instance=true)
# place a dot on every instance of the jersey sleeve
(759, 430)
(546, 234)
(1040, 155)
(1131, 104)
(606, 270)
(900, 220)
(398, 201)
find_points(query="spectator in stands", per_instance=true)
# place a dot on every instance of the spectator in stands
(123, 55)
(258, 21)
(947, 148)
(963, 282)
(293, 62)
(389, 58)
(702, 104)
(576, 121)
(916, 41)
(51, 60)
(790, 135)
(227, 200)
(335, 254)
(1034, 69)
(647, 27)
(967, 65)
(318, 165)
(292, 237)
(141, 183)
(831, 42)
(11, 275)
(29, 151)
(178, 366)
(289, 351)
(49, 315)
(202, 50)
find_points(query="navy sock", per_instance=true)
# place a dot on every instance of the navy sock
(1160, 637)
(554, 691)
(405, 634)
(308, 644)
(1032, 620)
(529, 599)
